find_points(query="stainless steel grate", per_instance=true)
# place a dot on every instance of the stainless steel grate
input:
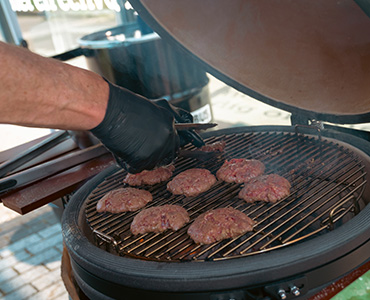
(327, 184)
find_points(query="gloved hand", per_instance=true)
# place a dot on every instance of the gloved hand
(182, 116)
(139, 133)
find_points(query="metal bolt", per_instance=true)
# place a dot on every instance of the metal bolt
(295, 291)
(282, 294)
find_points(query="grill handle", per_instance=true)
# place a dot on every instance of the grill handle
(33, 152)
(51, 167)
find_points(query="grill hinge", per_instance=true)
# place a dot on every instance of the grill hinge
(287, 290)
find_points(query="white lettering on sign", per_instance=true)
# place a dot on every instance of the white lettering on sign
(39, 4)
(112, 4)
(99, 4)
(45, 5)
(52, 5)
(65, 5)
(22, 5)
(202, 115)
(90, 4)
(75, 6)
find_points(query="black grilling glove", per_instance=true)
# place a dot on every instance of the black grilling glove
(182, 116)
(139, 133)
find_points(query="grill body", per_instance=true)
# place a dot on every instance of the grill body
(315, 235)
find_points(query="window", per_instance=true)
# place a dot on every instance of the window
(54, 26)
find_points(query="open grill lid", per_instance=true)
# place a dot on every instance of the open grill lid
(306, 57)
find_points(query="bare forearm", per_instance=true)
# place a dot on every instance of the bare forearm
(43, 92)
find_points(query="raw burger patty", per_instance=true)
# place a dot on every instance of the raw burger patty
(159, 218)
(214, 147)
(191, 182)
(123, 199)
(240, 170)
(219, 224)
(150, 177)
(268, 188)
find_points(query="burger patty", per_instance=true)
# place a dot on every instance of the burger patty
(268, 188)
(240, 170)
(219, 224)
(214, 147)
(150, 177)
(191, 182)
(159, 218)
(123, 199)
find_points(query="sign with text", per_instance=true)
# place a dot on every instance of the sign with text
(64, 5)
(202, 115)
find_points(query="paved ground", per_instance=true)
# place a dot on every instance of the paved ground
(30, 255)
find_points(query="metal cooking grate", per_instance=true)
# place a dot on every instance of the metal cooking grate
(327, 183)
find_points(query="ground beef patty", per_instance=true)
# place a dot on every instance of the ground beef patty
(191, 182)
(240, 170)
(219, 224)
(159, 218)
(123, 199)
(214, 147)
(150, 177)
(268, 188)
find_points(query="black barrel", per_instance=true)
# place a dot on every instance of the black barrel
(144, 63)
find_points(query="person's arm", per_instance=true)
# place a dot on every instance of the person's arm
(43, 92)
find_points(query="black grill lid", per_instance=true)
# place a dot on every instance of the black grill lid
(306, 57)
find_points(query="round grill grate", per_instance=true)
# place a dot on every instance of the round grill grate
(327, 183)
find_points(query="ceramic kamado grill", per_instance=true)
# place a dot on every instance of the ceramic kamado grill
(311, 59)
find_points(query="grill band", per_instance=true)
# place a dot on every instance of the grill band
(318, 278)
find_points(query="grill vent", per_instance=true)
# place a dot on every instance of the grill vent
(327, 184)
